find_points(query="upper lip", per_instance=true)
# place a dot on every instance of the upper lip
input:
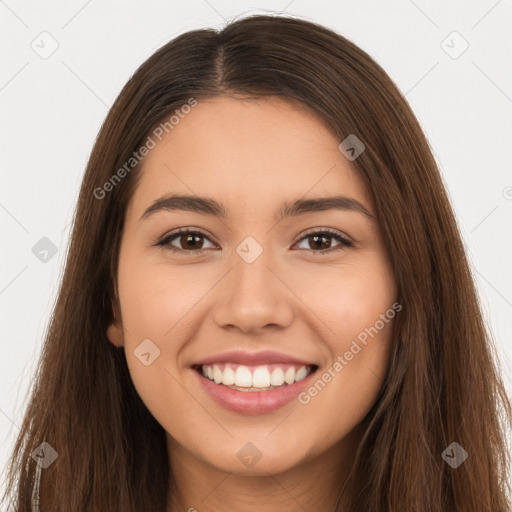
(252, 359)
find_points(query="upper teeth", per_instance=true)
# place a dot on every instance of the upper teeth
(260, 377)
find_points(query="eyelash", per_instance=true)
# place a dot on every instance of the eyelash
(344, 242)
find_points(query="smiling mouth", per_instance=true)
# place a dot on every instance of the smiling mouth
(254, 378)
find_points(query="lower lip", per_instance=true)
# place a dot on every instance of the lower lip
(254, 402)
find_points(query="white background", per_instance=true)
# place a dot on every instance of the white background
(52, 110)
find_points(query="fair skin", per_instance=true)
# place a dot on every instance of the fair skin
(252, 156)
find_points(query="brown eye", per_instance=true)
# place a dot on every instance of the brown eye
(190, 241)
(320, 241)
(187, 241)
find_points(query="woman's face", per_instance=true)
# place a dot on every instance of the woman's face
(251, 291)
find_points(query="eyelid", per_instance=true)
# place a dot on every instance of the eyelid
(330, 231)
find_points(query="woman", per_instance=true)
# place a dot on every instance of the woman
(266, 303)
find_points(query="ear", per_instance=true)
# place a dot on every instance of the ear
(115, 329)
(115, 334)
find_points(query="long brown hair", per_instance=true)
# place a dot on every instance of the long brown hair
(443, 383)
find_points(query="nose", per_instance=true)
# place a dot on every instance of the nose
(254, 296)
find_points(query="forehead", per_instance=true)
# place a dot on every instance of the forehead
(248, 154)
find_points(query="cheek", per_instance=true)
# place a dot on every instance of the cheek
(356, 303)
(347, 298)
(155, 298)
(346, 389)
(365, 324)
(152, 302)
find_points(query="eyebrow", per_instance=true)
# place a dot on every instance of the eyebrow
(208, 206)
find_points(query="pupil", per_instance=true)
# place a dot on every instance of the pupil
(188, 237)
(315, 239)
(324, 245)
